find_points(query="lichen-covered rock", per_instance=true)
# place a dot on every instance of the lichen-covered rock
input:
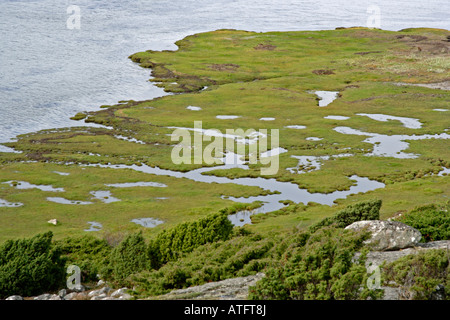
(388, 235)
(229, 289)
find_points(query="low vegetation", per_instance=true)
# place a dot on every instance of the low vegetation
(302, 248)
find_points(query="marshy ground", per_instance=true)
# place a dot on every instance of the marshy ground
(264, 81)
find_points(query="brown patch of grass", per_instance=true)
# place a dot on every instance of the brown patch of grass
(224, 67)
(262, 46)
(322, 72)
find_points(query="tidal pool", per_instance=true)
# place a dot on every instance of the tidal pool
(326, 97)
(104, 196)
(312, 163)
(296, 127)
(4, 203)
(227, 117)
(410, 123)
(251, 138)
(193, 108)
(147, 222)
(337, 117)
(95, 226)
(61, 173)
(273, 152)
(65, 201)
(129, 139)
(271, 202)
(390, 146)
(313, 139)
(27, 185)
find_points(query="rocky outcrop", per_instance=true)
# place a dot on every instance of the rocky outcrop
(377, 258)
(229, 289)
(388, 235)
(103, 293)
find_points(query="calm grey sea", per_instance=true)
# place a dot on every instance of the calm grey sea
(49, 72)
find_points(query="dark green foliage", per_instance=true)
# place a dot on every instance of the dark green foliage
(170, 244)
(87, 252)
(433, 221)
(30, 266)
(319, 267)
(129, 257)
(419, 274)
(364, 210)
(242, 255)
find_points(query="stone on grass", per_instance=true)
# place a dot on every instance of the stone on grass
(388, 235)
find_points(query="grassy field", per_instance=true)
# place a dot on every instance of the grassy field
(250, 75)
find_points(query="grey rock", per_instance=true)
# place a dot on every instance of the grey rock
(106, 298)
(100, 283)
(377, 258)
(99, 297)
(98, 292)
(45, 296)
(125, 296)
(388, 235)
(70, 296)
(119, 292)
(229, 289)
(55, 297)
(15, 297)
(439, 293)
(62, 293)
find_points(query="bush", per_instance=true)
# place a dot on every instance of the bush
(433, 221)
(364, 210)
(318, 268)
(30, 266)
(129, 257)
(242, 255)
(419, 274)
(171, 244)
(87, 252)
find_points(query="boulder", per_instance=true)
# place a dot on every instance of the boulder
(53, 221)
(15, 297)
(119, 292)
(71, 296)
(102, 291)
(388, 235)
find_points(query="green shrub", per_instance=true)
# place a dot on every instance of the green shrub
(419, 274)
(364, 210)
(242, 255)
(129, 257)
(318, 268)
(171, 244)
(87, 252)
(30, 266)
(433, 221)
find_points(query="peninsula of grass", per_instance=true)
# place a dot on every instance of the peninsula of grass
(251, 75)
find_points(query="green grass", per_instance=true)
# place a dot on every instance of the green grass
(252, 75)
